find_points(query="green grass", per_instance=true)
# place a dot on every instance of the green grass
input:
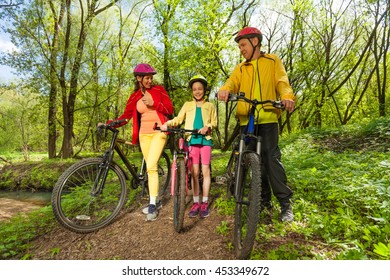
(341, 183)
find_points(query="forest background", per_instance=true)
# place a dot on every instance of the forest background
(75, 62)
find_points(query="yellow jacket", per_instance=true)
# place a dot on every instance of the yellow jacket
(187, 112)
(274, 83)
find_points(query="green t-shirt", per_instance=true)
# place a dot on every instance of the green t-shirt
(198, 124)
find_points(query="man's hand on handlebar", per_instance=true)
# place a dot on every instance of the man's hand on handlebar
(288, 105)
(223, 95)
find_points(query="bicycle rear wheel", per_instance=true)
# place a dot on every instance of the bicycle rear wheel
(74, 204)
(164, 174)
(248, 203)
(179, 199)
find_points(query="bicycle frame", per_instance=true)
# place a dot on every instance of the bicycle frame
(180, 151)
(139, 178)
(246, 137)
(245, 167)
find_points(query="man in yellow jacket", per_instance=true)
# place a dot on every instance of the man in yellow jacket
(262, 77)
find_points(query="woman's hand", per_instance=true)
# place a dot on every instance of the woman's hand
(147, 99)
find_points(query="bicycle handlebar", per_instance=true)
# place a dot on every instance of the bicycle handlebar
(255, 102)
(181, 130)
(113, 124)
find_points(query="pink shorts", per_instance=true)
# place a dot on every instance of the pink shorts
(200, 154)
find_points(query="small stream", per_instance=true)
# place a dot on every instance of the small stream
(12, 203)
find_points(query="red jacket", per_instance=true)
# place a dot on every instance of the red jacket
(162, 104)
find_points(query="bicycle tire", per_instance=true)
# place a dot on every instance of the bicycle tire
(179, 199)
(231, 174)
(73, 205)
(164, 174)
(248, 204)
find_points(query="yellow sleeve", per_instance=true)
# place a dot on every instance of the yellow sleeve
(283, 87)
(233, 82)
(178, 120)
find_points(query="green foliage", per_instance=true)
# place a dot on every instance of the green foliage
(341, 183)
(17, 233)
(382, 250)
(33, 175)
(289, 251)
(223, 228)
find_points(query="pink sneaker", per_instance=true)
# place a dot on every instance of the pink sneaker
(204, 210)
(194, 210)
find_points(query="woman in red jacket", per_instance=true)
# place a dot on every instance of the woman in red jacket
(147, 105)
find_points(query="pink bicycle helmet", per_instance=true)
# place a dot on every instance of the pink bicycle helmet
(143, 69)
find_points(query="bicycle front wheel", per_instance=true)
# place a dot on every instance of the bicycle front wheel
(248, 203)
(231, 174)
(179, 199)
(78, 206)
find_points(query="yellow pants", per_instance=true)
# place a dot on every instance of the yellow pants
(152, 146)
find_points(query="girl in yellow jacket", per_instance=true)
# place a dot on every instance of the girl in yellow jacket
(201, 115)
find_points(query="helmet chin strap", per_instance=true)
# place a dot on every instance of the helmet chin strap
(253, 49)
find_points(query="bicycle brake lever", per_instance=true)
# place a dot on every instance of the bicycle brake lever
(279, 105)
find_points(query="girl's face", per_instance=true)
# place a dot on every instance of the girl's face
(145, 81)
(198, 90)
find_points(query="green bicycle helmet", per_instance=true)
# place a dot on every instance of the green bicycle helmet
(198, 78)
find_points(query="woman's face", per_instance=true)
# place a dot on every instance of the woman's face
(197, 90)
(146, 81)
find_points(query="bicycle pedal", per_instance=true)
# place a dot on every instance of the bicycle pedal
(220, 179)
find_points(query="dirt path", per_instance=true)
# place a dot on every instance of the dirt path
(131, 237)
(10, 207)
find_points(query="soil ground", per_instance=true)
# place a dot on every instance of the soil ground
(9, 207)
(131, 237)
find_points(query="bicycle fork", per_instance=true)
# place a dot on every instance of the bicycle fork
(103, 168)
(101, 177)
(241, 149)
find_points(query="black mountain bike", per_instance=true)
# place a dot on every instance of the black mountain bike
(244, 180)
(90, 194)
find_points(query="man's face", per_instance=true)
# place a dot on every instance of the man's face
(246, 48)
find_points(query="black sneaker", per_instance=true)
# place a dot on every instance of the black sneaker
(145, 210)
(286, 214)
(152, 213)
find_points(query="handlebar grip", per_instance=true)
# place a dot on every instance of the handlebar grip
(156, 127)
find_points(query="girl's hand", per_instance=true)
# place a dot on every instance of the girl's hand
(203, 130)
(164, 127)
(147, 99)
